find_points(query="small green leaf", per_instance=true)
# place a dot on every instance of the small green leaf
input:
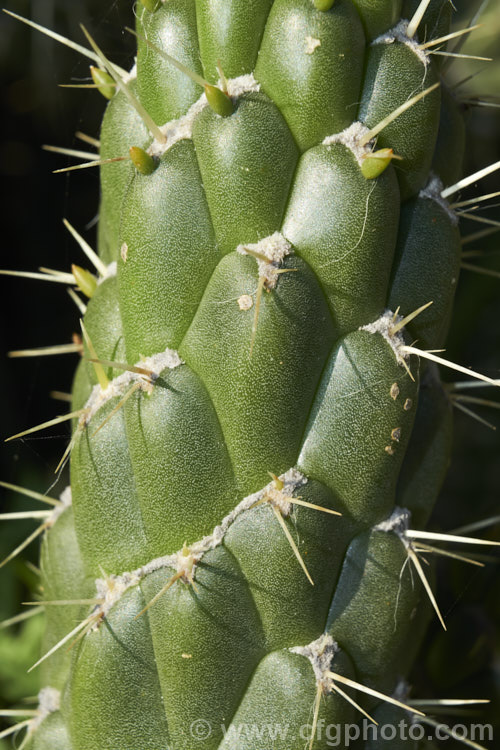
(85, 281)
(218, 101)
(142, 161)
(323, 4)
(103, 81)
(377, 162)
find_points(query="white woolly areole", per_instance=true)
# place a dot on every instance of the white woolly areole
(182, 128)
(111, 589)
(49, 701)
(320, 653)
(65, 496)
(246, 84)
(433, 191)
(65, 502)
(351, 138)
(311, 45)
(169, 359)
(402, 691)
(111, 270)
(398, 34)
(178, 130)
(132, 74)
(398, 522)
(275, 247)
(383, 325)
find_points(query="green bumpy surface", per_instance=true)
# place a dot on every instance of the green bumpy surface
(317, 394)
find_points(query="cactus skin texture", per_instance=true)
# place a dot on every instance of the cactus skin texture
(313, 388)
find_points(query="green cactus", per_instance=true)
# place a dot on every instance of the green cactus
(257, 441)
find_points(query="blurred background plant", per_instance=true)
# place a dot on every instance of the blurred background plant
(465, 662)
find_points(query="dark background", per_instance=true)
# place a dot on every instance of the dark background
(35, 111)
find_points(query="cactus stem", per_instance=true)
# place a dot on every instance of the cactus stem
(291, 542)
(89, 252)
(168, 585)
(407, 319)
(88, 139)
(31, 493)
(78, 302)
(119, 405)
(50, 423)
(268, 253)
(168, 58)
(217, 98)
(446, 363)
(61, 278)
(71, 152)
(373, 132)
(119, 80)
(369, 691)
(99, 369)
(151, 5)
(278, 486)
(255, 322)
(417, 18)
(447, 37)
(89, 164)
(186, 563)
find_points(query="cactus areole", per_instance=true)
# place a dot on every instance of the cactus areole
(258, 441)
